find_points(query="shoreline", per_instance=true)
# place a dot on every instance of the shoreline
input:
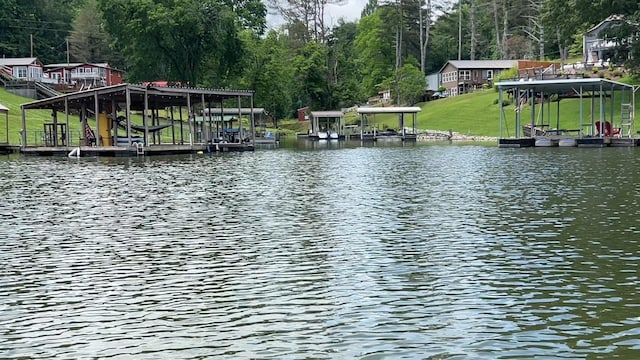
(438, 135)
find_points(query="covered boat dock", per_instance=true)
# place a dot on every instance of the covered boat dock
(167, 116)
(370, 132)
(227, 127)
(606, 113)
(326, 125)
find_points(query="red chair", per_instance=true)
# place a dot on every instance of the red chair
(606, 129)
(600, 128)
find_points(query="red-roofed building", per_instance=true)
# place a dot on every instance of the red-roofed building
(83, 74)
(28, 69)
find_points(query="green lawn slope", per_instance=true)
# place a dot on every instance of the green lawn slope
(478, 114)
(35, 118)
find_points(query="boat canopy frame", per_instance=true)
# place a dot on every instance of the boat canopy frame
(579, 88)
(136, 97)
(400, 110)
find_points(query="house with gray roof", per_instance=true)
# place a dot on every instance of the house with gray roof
(463, 76)
(29, 69)
(596, 49)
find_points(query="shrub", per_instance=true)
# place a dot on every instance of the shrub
(505, 75)
(505, 102)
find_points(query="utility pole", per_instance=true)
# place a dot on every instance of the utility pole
(67, 50)
(459, 29)
(31, 40)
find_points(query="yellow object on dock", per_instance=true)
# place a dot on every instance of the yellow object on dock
(105, 129)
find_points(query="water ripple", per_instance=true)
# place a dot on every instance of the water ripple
(429, 252)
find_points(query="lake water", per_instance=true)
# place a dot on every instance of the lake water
(428, 251)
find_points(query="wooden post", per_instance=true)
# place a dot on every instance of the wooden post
(173, 130)
(239, 119)
(66, 113)
(128, 113)
(253, 125)
(189, 119)
(24, 126)
(96, 111)
(54, 115)
(114, 120)
(144, 117)
(83, 121)
(181, 125)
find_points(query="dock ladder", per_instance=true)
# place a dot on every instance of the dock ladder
(139, 149)
(626, 119)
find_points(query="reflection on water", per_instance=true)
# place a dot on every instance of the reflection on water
(419, 251)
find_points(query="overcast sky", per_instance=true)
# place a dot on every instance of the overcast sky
(350, 11)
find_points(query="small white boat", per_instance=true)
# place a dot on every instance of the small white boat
(545, 142)
(333, 135)
(322, 135)
(567, 142)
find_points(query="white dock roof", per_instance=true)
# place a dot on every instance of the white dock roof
(389, 110)
(564, 85)
(327, 114)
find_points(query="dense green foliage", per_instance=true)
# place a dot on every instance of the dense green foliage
(222, 43)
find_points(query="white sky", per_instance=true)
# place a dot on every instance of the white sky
(350, 11)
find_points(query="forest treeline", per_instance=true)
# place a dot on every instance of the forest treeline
(305, 61)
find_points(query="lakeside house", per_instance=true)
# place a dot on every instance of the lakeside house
(83, 75)
(463, 76)
(25, 69)
(595, 48)
(30, 78)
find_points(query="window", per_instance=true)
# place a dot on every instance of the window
(465, 74)
(449, 76)
(489, 74)
(21, 72)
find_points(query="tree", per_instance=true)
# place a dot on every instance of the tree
(88, 41)
(425, 26)
(344, 81)
(267, 71)
(36, 27)
(412, 84)
(310, 76)
(308, 13)
(627, 38)
(374, 48)
(173, 39)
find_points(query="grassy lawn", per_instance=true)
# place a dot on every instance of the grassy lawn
(35, 118)
(478, 114)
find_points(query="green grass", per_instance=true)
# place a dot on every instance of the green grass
(478, 114)
(35, 118)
